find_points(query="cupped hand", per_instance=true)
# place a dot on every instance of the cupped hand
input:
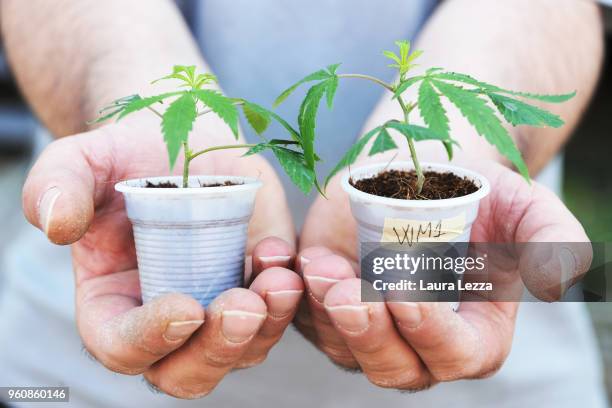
(180, 348)
(412, 346)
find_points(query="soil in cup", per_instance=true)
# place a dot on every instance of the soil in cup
(402, 185)
(168, 184)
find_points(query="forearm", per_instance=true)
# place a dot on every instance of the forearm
(82, 54)
(541, 46)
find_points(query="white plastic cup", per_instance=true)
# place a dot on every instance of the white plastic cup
(190, 240)
(406, 222)
(377, 216)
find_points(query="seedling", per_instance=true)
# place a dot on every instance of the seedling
(476, 100)
(192, 100)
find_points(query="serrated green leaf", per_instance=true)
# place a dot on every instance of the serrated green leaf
(283, 142)
(520, 113)
(256, 116)
(307, 120)
(294, 165)
(295, 135)
(105, 117)
(392, 56)
(141, 103)
(467, 79)
(483, 118)
(432, 70)
(404, 85)
(258, 148)
(404, 47)
(333, 68)
(415, 54)
(315, 76)
(353, 153)
(382, 143)
(434, 114)
(177, 122)
(417, 133)
(448, 146)
(221, 105)
(330, 90)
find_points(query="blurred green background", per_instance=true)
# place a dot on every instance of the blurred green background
(588, 187)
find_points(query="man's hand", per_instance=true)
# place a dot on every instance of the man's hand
(180, 348)
(415, 345)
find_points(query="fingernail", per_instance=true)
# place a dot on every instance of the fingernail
(270, 261)
(283, 302)
(45, 207)
(352, 318)
(180, 330)
(319, 286)
(408, 314)
(239, 326)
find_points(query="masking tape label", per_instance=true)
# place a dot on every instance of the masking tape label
(408, 232)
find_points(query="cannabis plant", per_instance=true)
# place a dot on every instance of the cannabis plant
(476, 100)
(193, 99)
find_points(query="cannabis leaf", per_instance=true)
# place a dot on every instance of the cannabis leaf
(222, 105)
(187, 74)
(256, 116)
(485, 87)
(315, 76)
(177, 122)
(140, 103)
(307, 120)
(296, 168)
(434, 114)
(483, 118)
(353, 153)
(382, 143)
(403, 62)
(407, 83)
(520, 113)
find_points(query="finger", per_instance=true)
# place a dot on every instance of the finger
(303, 320)
(470, 344)
(308, 255)
(558, 252)
(232, 321)
(126, 337)
(282, 290)
(320, 274)
(58, 195)
(271, 252)
(369, 333)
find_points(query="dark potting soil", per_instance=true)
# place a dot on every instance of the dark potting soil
(402, 184)
(167, 184)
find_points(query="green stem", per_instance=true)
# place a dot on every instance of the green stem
(155, 112)
(389, 87)
(224, 147)
(188, 158)
(413, 154)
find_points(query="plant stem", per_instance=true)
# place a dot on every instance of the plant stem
(188, 158)
(389, 87)
(224, 147)
(413, 154)
(155, 111)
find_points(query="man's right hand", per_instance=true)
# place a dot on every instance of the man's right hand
(178, 346)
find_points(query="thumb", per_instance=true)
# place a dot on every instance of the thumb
(58, 195)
